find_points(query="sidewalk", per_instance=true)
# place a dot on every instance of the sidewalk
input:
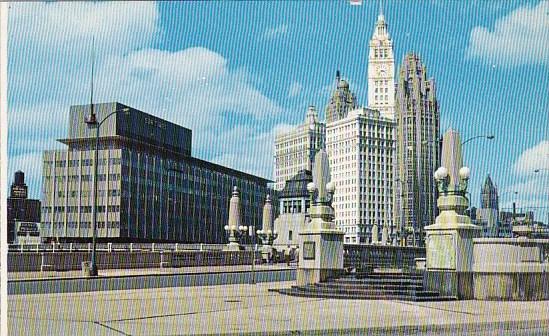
(244, 308)
(145, 271)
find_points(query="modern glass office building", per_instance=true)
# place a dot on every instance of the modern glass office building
(150, 188)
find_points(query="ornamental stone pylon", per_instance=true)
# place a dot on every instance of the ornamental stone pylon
(449, 242)
(321, 244)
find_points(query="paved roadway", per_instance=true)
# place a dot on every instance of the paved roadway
(70, 282)
(242, 308)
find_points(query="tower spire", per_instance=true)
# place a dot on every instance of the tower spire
(380, 8)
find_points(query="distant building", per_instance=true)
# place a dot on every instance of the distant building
(295, 150)
(472, 213)
(508, 219)
(294, 203)
(361, 148)
(341, 102)
(418, 128)
(150, 188)
(488, 213)
(381, 70)
(20, 208)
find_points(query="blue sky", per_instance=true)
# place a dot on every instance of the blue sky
(238, 72)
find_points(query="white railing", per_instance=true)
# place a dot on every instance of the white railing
(114, 247)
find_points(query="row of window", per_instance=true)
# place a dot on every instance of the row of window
(381, 52)
(82, 225)
(82, 163)
(83, 178)
(75, 209)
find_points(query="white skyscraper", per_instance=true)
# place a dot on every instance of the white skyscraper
(381, 70)
(295, 150)
(361, 148)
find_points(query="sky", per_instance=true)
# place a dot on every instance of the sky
(236, 73)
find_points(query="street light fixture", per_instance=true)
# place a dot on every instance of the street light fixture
(489, 137)
(92, 122)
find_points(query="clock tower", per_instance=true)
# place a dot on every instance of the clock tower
(381, 70)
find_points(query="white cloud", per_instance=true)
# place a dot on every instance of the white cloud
(295, 89)
(50, 44)
(61, 28)
(195, 87)
(533, 158)
(275, 32)
(256, 157)
(533, 186)
(530, 190)
(519, 38)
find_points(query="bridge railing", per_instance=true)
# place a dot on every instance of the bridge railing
(112, 247)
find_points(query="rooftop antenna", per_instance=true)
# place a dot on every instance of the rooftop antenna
(91, 120)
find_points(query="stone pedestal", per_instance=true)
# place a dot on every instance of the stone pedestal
(385, 235)
(320, 249)
(375, 234)
(449, 246)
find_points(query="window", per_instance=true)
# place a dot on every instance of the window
(290, 235)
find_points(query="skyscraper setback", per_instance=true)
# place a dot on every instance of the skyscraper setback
(295, 150)
(417, 117)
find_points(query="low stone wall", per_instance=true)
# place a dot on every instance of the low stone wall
(365, 257)
(512, 286)
(70, 261)
(511, 269)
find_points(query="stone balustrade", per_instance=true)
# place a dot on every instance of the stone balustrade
(368, 257)
(511, 268)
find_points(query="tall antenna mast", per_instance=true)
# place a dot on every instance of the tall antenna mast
(91, 120)
(92, 68)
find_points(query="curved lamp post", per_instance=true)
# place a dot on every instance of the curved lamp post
(92, 122)
(489, 137)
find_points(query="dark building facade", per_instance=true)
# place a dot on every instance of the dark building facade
(19, 207)
(489, 195)
(418, 151)
(150, 188)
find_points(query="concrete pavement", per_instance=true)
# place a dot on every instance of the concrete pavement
(243, 308)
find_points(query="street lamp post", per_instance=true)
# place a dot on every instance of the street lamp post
(92, 122)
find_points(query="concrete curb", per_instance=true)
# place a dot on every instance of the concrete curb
(507, 327)
(147, 274)
(77, 285)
